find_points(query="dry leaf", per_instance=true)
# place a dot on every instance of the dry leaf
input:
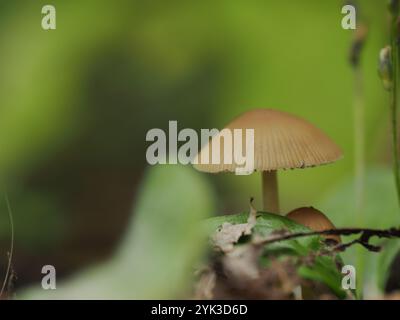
(229, 234)
(205, 285)
(242, 262)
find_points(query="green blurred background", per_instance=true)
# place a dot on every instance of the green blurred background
(76, 103)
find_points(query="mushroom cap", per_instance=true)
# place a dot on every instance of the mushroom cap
(281, 141)
(314, 220)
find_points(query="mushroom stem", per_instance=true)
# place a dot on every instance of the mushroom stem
(270, 191)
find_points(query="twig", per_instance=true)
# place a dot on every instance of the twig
(10, 255)
(365, 236)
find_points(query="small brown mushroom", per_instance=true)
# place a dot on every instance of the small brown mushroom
(314, 220)
(281, 141)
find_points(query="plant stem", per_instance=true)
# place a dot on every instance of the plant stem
(359, 167)
(359, 140)
(394, 102)
(396, 163)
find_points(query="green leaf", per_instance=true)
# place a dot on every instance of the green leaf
(323, 270)
(385, 260)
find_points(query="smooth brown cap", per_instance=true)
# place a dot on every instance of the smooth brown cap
(281, 141)
(314, 220)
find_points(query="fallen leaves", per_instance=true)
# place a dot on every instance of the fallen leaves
(250, 261)
(242, 262)
(229, 234)
(205, 286)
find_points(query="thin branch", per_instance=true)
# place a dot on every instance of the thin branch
(10, 255)
(365, 236)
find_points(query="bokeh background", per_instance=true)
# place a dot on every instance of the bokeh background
(76, 103)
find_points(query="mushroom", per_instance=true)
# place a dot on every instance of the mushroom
(314, 220)
(281, 141)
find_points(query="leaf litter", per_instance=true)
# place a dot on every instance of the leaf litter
(267, 264)
(235, 270)
(229, 234)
